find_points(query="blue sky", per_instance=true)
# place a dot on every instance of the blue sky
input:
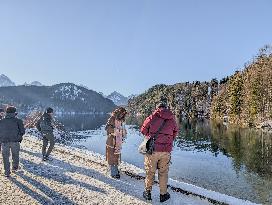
(129, 45)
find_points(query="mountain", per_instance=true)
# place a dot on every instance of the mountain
(101, 93)
(5, 81)
(244, 98)
(131, 96)
(34, 83)
(84, 86)
(186, 100)
(64, 98)
(118, 98)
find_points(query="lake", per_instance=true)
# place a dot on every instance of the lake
(227, 159)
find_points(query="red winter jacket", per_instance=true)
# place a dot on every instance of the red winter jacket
(164, 142)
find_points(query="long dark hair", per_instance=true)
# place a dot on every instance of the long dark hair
(119, 113)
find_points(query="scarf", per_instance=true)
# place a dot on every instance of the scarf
(119, 132)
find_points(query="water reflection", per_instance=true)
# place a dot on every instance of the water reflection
(82, 122)
(248, 147)
(225, 158)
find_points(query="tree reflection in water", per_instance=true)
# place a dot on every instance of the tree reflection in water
(249, 148)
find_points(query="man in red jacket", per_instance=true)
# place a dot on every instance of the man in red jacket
(161, 157)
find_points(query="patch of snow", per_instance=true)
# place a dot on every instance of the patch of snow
(71, 92)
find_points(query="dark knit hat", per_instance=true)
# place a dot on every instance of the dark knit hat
(2, 110)
(11, 109)
(162, 105)
(49, 110)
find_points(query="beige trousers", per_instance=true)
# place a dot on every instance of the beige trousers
(160, 161)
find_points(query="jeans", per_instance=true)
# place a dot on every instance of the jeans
(14, 147)
(48, 137)
(114, 170)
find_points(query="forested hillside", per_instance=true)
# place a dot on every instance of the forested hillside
(244, 98)
(247, 97)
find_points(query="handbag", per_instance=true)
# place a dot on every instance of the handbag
(148, 145)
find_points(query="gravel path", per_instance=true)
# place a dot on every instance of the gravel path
(74, 177)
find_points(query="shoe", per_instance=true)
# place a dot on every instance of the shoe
(44, 158)
(116, 176)
(15, 169)
(49, 158)
(7, 175)
(147, 195)
(164, 197)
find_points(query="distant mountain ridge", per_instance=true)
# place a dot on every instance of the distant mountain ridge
(5, 81)
(117, 98)
(64, 98)
(34, 83)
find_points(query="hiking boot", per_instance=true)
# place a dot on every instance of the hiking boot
(116, 176)
(164, 197)
(147, 195)
(49, 158)
(15, 169)
(7, 175)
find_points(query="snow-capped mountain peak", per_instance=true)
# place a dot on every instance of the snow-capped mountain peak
(5, 81)
(118, 98)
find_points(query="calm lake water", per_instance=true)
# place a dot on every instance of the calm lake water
(226, 159)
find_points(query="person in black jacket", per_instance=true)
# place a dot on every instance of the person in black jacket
(11, 135)
(45, 126)
(2, 115)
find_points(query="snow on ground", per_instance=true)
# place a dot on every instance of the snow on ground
(75, 177)
(128, 169)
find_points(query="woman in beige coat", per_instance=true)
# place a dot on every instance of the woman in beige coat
(116, 133)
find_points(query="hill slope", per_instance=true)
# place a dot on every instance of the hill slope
(65, 97)
(244, 98)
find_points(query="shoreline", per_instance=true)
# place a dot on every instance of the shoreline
(74, 171)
